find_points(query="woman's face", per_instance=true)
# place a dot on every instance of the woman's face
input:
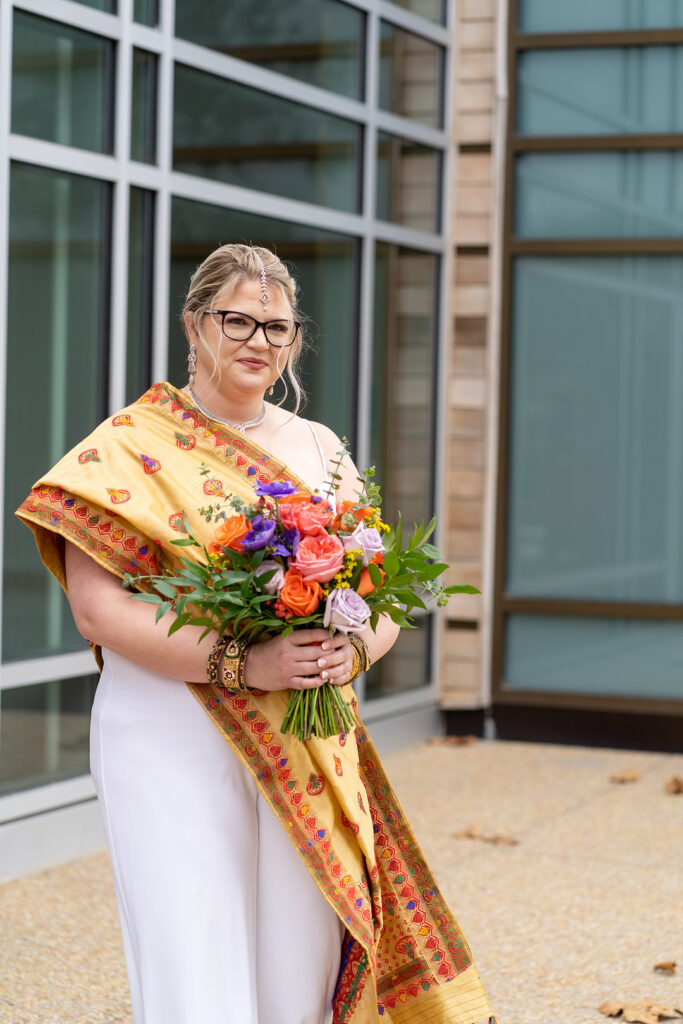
(247, 366)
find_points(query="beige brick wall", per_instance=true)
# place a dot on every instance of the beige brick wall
(467, 489)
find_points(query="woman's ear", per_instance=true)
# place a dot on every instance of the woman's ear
(190, 329)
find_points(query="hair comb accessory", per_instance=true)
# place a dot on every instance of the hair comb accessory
(265, 297)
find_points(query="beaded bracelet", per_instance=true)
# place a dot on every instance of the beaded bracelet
(214, 660)
(225, 666)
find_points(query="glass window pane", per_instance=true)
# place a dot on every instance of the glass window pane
(324, 263)
(146, 12)
(405, 666)
(408, 182)
(44, 732)
(589, 16)
(410, 74)
(143, 126)
(600, 91)
(592, 195)
(245, 137)
(57, 326)
(435, 10)
(109, 6)
(319, 43)
(614, 657)
(596, 429)
(62, 84)
(140, 293)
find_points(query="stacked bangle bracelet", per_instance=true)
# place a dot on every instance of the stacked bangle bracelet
(225, 666)
(361, 656)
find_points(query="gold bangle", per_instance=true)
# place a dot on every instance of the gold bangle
(213, 663)
(231, 664)
(361, 648)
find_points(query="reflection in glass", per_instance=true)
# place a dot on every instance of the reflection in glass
(410, 74)
(324, 263)
(319, 43)
(44, 732)
(143, 122)
(140, 293)
(146, 12)
(406, 666)
(607, 91)
(245, 137)
(596, 429)
(56, 357)
(592, 195)
(408, 182)
(589, 16)
(62, 84)
(432, 9)
(615, 657)
(109, 6)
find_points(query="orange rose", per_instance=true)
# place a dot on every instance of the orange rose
(298, 595)
(229, 535)
(300, 512)
(366, 586)
(359, 514)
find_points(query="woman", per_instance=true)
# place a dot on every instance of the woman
(260, 880)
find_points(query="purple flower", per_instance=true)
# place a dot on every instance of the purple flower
(287, 545)
(261, 533)
(345, 610)
(368, 539)
(277, 490)
(316, 499)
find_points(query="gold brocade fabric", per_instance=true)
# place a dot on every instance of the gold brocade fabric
(123, 495)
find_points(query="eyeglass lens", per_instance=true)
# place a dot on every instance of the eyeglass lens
(240, 327)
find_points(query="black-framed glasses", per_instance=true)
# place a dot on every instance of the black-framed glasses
(241, 327)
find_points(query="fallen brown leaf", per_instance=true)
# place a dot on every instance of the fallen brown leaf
(642, 1012)
(475, 832)
(666, 967)
(452, 741)
(631, 776)
(674, 785)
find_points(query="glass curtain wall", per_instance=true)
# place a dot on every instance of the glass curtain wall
(324, 139)
(590, 566)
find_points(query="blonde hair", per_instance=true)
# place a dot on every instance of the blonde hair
(228, 266)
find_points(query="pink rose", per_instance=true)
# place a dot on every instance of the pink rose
(300, 512)
(319, 557)
(275, 583)
(345, 610)
(368, 539)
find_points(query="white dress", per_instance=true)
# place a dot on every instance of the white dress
(221, 921)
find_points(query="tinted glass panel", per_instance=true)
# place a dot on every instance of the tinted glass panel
(589, 195)
(596, 429)
(615, 657)
(110, 6)
(320, 43)
(589, 15)
(140, 293)
(59, 230)
(44, 732)
(143, 142)
(146, 11)
(410, 73)
(601, 91)
(408, 182)
(245, 137)
(405, 666)
(432, 9)
(61, 83)
(324, 264)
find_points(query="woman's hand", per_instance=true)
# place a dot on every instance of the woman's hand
(292, 663)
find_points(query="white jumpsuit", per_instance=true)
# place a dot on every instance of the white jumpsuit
(221, 921)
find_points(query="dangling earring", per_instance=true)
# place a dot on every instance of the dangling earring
(271, 389)
(192, 364)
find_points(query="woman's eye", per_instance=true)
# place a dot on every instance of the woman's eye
(278, 327)
(236, 321)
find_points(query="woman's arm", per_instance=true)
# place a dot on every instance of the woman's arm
(107, 615)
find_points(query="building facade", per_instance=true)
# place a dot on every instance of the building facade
(481, 202)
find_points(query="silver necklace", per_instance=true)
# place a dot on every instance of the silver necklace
(241, 427)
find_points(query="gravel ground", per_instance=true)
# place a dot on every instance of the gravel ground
(577, 912)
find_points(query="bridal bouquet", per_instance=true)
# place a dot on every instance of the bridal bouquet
(289, 560)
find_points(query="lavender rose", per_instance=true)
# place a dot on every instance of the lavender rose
(261, 533)
(368, 539)
(274, 584)
(277, 490)
(345, 610)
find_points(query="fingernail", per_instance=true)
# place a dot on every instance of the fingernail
(323, 675)
(321, 663)
(325, 645)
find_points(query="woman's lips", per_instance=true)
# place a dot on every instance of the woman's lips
(255, 363)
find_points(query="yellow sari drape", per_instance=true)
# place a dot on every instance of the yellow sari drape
(123, 495)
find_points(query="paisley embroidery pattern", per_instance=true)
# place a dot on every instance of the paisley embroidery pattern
(117, 496)
(177, 522)
(185, 441)
(122, 420)
(149, 464)
(315, 784)
(89, 455)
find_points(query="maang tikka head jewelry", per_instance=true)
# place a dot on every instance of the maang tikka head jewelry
(191, 364)
(265, 297)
